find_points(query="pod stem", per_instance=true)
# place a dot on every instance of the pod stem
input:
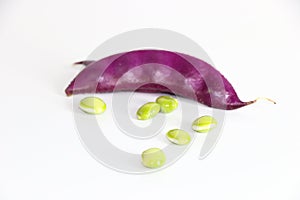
(262, 98)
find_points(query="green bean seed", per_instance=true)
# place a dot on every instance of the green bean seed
(92, 105)
(148, 111)
(178, 136)
(204, 124)
(167, 103)
(153, 158)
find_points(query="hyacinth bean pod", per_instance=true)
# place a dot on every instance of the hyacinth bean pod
(157, 71)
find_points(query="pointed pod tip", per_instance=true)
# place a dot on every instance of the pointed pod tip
(83, 62)
(68, 92)
(78, 63)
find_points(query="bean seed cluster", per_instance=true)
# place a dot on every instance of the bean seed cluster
(155, 157)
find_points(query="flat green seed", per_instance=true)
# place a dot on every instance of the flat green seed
(204, 124)
(167, 103)
(153, 158)
(92, 105)
(178, 136)
(148, 111)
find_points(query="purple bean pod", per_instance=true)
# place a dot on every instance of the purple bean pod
(157, 71)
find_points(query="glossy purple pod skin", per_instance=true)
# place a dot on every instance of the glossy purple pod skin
(157, 71)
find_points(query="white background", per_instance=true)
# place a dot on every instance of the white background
(255, 44)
